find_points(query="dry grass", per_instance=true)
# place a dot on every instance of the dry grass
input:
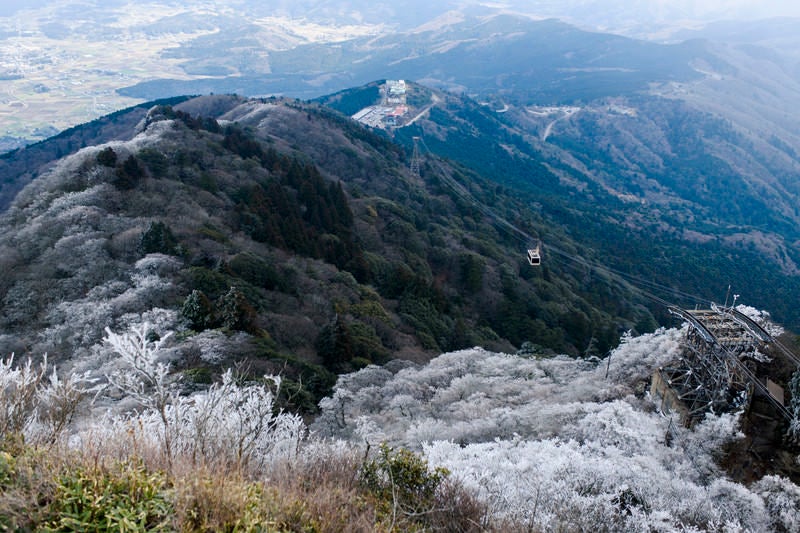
(324, 493)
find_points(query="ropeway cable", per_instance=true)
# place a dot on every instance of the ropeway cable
(631, 281)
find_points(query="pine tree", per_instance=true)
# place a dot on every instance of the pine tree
(130, 172)
(335, 345)
(236, 312)
(107, 157)
(158, 238)
(794, 390)
(198, 310)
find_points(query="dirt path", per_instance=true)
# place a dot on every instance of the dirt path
(549, 129)
(434, 100)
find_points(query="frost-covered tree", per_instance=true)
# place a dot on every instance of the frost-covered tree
(794, 406)
(230, 425)
(559, 444)
(144, 377)
(237, 425)
(782, 500)
(19, 386)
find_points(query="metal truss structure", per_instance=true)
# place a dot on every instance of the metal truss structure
(415, 158)
(714, 372)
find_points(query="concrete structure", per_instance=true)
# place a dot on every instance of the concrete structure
(391, 109)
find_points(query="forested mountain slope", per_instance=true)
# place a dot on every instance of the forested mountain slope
(283, 234)
(650, 186)
(18, 167)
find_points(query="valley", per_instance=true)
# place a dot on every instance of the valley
(59, 71)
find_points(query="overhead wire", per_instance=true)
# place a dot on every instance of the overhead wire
(634, 283)
(462, 192)
(630, 281)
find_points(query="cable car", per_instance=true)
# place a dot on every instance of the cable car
(535, 255)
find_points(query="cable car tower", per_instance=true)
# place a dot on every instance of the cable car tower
(717, 370)
(415, 158)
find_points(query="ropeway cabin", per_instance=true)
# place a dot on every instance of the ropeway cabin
(535, 255)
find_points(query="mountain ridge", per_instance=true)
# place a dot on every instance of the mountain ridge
(283, 234)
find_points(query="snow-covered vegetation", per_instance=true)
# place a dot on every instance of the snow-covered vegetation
(516, 443)
(562, 444)
(222, 459)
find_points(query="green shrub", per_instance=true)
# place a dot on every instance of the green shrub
(7, 468)
(199, 375)
(366, 344)
(258, 272)
(125, 498)
(212, 283)
(402, 479)
(370, 309)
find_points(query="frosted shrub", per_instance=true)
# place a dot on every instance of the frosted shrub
(80, 323)
(76, 323)
(557, 485)
(36, 403)
(211, 344)
(159, 264)
(144, 378)
(237, 425)
(782, 500)
(705, 443)
(18, 386)
(475, 395)
(228, 425)
(59, 399)
(559, 445)
(762, 318)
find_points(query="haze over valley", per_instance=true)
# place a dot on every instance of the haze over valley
(65, 63)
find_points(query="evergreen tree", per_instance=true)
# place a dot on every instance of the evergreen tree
(236, 312)
(335, 345)
(794, 390)
(342, 208)
(158, 238)
(198, 310)
(472, 269)
(130, 172)
(107, 157)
